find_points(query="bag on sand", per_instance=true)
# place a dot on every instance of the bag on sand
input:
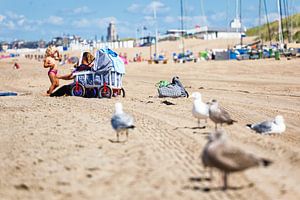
(175, 89)
(163, 83)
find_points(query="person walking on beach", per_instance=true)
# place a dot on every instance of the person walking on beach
(51, 57)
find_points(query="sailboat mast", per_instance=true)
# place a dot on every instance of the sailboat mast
(287, 19)
(182, 39)
(240, 19)
(291, 21)
(269, 29)
(237, 11)
(280, 36)
(203, 17)
(259, 22)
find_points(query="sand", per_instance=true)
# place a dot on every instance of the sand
(59, 148)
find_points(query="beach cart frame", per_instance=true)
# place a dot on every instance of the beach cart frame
(94, 84)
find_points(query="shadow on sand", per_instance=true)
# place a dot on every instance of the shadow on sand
(117, 141)
(211, 189)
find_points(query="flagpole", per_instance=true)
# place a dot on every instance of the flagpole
(156, 31)
(280, 37)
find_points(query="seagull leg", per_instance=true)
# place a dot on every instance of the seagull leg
(198, 123)
(216, 127)
(126, 134)
(118, 136)
(225, 181)
(208, 186)
(210, 173)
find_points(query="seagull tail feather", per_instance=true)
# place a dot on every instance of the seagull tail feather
(266, 162)
(249, 125)
(131, 127)
(231, 122)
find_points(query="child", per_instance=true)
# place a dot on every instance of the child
(51, 56)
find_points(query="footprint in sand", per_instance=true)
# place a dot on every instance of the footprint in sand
(22, 186)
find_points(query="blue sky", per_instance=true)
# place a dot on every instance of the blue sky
(41, 19)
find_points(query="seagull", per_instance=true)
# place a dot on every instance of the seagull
(218, 154)
(270, 126)
(200, 109)
(121, 121)
(219, 115)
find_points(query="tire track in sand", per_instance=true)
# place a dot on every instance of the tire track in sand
(172, 149)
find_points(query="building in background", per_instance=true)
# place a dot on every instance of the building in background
(112, 32)
(208, 33)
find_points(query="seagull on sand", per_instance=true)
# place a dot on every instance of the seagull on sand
(219, 115)
(200, 109)
(219, 154)
(270, 126)
(121, 122)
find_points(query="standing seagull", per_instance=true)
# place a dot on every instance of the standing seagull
(121, 121)
(217, 153)
(200, 109)
(271, 126)
(219, 115)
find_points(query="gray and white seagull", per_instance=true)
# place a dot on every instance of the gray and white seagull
(121, 121)
(270, 126)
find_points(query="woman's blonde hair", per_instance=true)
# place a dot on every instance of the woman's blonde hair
(50, 51)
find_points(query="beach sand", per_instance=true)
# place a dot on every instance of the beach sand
(59, 148)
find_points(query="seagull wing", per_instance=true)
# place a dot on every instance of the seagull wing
(262, 127)
(224, 115)
(121, 121)
(231, 159)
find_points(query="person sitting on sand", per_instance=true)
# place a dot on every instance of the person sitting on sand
(86, 64)
(51, 56)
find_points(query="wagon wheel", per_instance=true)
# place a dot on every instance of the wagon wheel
(78, 90)
(122, 92)
(105, 92)
(91, 93)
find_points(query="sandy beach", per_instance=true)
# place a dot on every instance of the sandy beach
(59, 148)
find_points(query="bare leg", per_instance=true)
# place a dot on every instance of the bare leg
(198, 123)
(54, 83)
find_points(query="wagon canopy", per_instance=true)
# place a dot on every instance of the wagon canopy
(107, 60)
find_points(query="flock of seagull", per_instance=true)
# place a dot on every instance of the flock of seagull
(217, 153)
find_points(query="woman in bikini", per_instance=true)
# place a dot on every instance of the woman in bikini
(50, 61)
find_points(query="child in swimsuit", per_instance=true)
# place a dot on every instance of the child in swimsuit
(51, 56)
